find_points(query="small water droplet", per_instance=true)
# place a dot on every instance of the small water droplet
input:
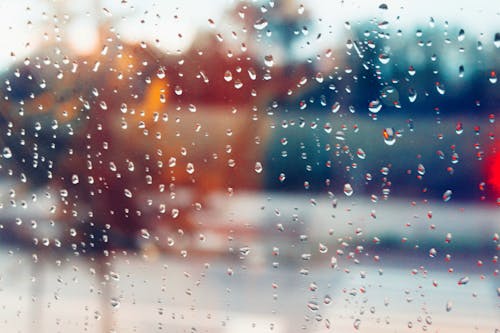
(244, 251)
(493, 77)
(421, 169)
(449, 306)
(145, 233)
(115, 303)
(313, 306)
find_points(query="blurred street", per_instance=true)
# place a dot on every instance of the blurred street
(172, 295)
(403, 290)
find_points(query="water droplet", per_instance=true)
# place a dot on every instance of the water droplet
(411, 71)
(313, 306)
(74, 179)
(375, 106)
(461, 35)
(145, 233)
(335, 107)
(348, 189)
(269, 60)
(115, 276)
(463, 281)
(115, 303)
(244, 251)
(228, 76)
(333, 262)
(252, 74)
(440, 88)
(449, 306)
(389, 136)
(361, 153)
(190, 168)
(459, 128)
(127, 193)
(356, 323)
(238, 84)
(384, 58)
(7, 153)
(497, 40)
(493, 77)
(322, 248)
(447, 195)
(260, 24)
(160, 73)
(258, 167)
(421, 169)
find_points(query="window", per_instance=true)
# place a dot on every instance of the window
(249, 166)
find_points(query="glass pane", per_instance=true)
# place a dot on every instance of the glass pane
(249, 166)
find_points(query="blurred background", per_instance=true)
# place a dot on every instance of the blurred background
(249, 166)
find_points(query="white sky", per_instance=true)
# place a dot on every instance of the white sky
(160, 23)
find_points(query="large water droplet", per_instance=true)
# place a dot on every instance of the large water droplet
(389, 135)
(497, 40)
(447, 195)
(384, 58)
(440, 88)
(348, 189)
(228, 76)
(361, 153)
(375, 106)
(260, 24)
(7, 153)
(190, 168)
(258, 167)
(127, 193)
(269, 60)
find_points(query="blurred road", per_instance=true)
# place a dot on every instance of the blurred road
(186, 295)
(393, 284)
